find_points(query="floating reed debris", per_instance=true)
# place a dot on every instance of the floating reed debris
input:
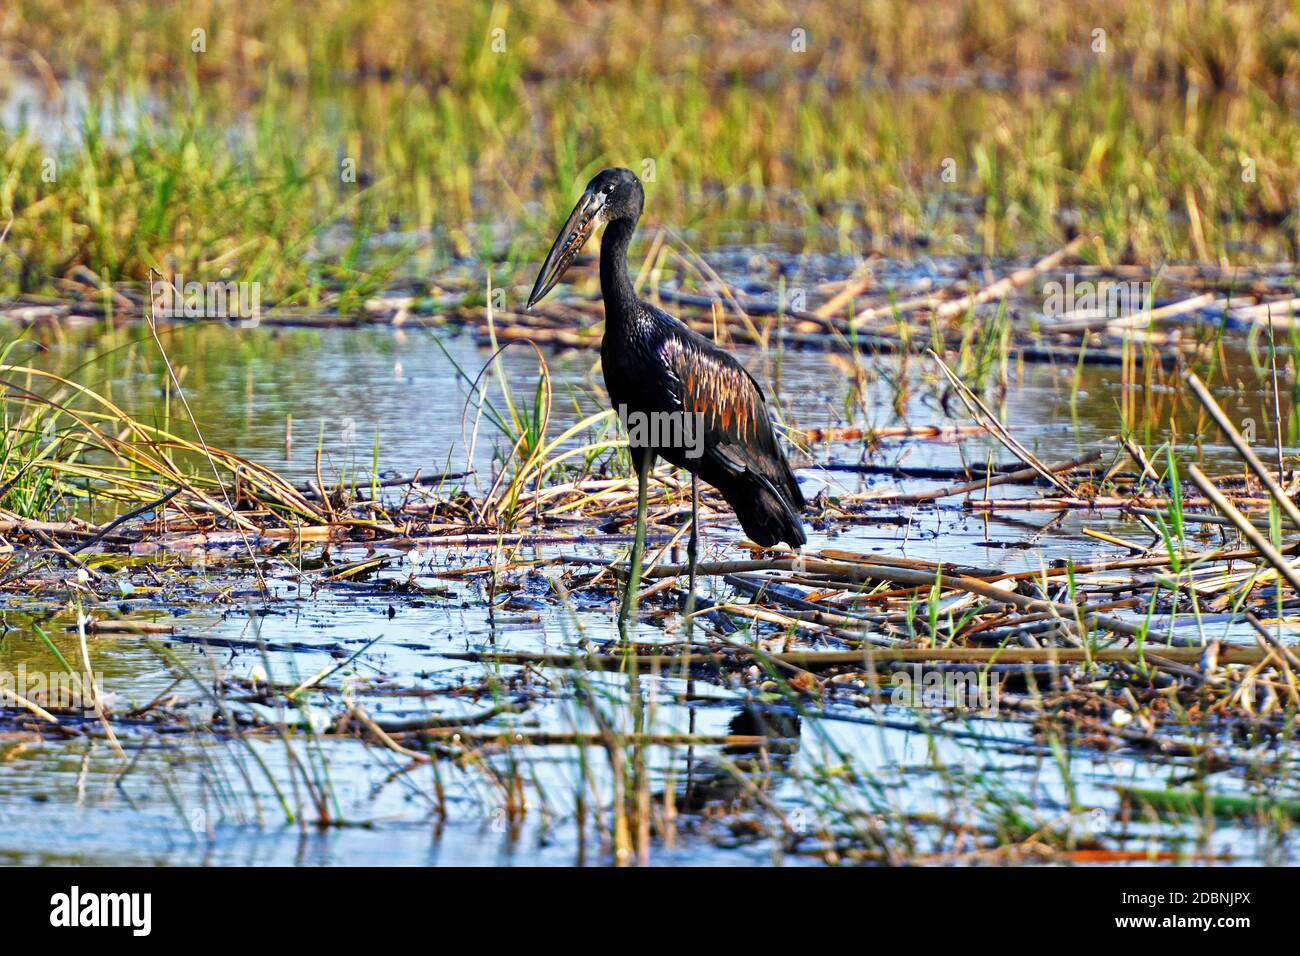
(869, 658)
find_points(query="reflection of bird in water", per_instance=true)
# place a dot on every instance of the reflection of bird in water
(656, 366)
(712, 784)
(782, 729)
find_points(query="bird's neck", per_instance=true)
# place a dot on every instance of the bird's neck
(615, 283)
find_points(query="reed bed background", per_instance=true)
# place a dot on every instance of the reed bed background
(972, 127)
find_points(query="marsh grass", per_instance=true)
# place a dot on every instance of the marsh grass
(232, 162)
(533, 458)
(67, 447)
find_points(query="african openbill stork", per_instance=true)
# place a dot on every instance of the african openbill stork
(654, 364)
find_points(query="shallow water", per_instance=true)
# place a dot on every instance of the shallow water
(349, 392)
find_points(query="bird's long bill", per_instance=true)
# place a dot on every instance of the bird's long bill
(574, 235)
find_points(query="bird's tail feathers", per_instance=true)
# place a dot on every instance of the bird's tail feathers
(764, 512)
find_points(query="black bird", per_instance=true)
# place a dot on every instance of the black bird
(654, 364)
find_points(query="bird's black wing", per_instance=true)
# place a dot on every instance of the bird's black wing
(738, 434)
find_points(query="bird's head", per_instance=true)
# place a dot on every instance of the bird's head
(612, 194)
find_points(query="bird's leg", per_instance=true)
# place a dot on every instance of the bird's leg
(628, 608)
(692, 553)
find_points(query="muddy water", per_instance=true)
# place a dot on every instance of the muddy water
(281, 395)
